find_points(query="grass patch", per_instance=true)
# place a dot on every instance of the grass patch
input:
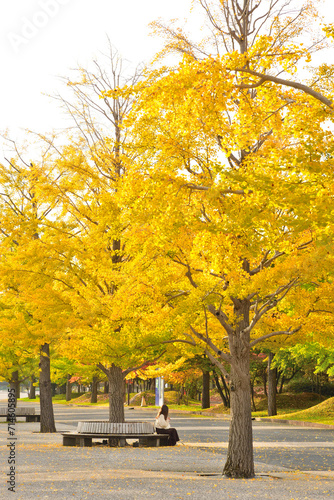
(219, 409)
(175, 407)
(78, 399)
(84, 399)
(307, 407)
(61, 398)
(29, 400)
(321, 413)
(287, 403)
(290, 401)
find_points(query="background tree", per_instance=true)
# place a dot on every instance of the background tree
(24, 222)
(89, 241)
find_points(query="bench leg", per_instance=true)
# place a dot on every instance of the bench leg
(69, 441)
(142, 442)
(114, 442)
(84, 441)
(146, 441)
(33, 418)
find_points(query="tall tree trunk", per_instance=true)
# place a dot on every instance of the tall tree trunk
(93, 398)
(32, 388)
(280, 390)
(224, 395)
(106, 387)
(265, 384)
(240, 459)
(272, 409)
(68, 388)
(206, 389)
(128, 387)
(62, 389)
(252, 394)
(219, 388)
(14, 384)
(116, 394)
(47, 416)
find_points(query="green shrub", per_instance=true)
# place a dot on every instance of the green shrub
(305, 385)
(288, 401)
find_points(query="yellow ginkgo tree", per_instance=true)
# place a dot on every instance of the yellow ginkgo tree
(82, 251)
(231, 197)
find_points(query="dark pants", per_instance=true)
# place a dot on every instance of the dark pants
(172, 433)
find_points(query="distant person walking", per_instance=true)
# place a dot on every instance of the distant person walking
(162, 426)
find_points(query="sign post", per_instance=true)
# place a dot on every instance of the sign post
(159, 391)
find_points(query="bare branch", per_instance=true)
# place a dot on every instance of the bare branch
(191, 342)
(287, 83)
(129, 370)
(209, 342)
(271, 301)
(218, 364)
(180, 294)
(178, 261)
(190, 278)
(223, 192)
(103, 368)
(274, 334)
(319, 311)
(222, 318)
(266, 263)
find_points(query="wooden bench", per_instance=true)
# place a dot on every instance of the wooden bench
(85, 439)
(27, 412)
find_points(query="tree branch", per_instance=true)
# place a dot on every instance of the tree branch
(222, 318)
(103, 368)
(209, 342)
(274, 334)
(129, 370)
(223, 192)
(272, 301)
(287, 83)
(180, 294)
(218, 364)
(265, 263)
(191, 342)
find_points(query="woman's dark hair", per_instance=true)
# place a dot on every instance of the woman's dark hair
(164, 411)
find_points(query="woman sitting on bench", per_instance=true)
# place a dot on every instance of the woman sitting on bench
(162, 426)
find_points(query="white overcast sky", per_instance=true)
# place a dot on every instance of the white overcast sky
(42, 39)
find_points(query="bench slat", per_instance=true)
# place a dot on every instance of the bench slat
(99, 426)
(19, 411)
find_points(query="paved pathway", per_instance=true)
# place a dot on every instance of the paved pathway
(291, 463)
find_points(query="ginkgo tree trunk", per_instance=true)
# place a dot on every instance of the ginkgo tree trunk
(232, 195)
(116, 378)
(47, 415)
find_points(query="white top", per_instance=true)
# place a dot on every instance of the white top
(161, 423)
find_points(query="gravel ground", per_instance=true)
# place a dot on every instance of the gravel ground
(47, 470)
